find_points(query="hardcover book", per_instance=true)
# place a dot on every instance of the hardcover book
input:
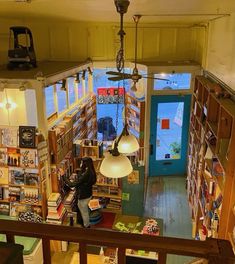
(31, 177)
(3, 156)
(16, 175)
(28, 158)
(4, 177)
(10, 137)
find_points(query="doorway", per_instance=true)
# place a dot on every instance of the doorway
(169, 134)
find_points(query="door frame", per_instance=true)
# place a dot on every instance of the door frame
(168, 167)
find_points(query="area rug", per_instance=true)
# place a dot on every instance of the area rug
(106, 221)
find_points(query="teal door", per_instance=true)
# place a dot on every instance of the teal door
(169, 134)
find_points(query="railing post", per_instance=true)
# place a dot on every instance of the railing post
(161, 258)
(10, 238)
(121, 256)
(82, 253)
(46, 251)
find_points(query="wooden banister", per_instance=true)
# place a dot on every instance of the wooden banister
(211, 249)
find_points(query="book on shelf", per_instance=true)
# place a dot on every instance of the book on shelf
(16, 208)
(30, 195)
(9, 136)
(4, 175)
(14, 194)
(217, 169)
(13, 156)
(28, 158)
(16, 175)
(31, 177)
(3, 156)
(4, 208)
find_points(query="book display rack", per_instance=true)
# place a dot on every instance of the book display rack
(211, 161)
(23, 173)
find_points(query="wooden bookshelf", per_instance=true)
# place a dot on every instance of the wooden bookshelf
(135, 113)
(211, 162)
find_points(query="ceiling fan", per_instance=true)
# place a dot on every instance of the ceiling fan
(120, 75)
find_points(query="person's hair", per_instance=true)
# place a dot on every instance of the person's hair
(87, 162)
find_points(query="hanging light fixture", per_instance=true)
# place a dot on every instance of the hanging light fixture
(127, 142)
(116, 165)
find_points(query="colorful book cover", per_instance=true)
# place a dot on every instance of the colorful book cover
(31, 177)
(16, 175)
(217, 169)
(4, 176)
(16, 208)
(28, 158)
(3, 156)
(4, 208)
(10, 137)
(14, 194)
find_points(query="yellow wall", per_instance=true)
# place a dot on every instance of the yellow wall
(23, 113)
(221, 50)
(76, 41)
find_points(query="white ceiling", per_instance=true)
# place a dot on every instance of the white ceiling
(193, 11)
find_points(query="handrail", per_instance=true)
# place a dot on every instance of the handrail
(216, 251)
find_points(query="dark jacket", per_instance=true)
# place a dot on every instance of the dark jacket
(83, 185)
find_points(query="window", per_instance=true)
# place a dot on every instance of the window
(50, 104)
(61, 98)
(80, 90)
(175, 81)
(86, 84)
(71, 91)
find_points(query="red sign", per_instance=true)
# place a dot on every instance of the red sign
(110, 91)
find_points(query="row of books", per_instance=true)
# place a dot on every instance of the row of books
(18, 157)
(20, 194)
(14, 208)
(19, 176)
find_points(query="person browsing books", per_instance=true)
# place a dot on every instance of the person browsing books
(86, 177)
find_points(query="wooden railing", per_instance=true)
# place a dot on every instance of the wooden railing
(216, 251)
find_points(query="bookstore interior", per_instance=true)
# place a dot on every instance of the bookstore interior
(131, 128)
(48, 123)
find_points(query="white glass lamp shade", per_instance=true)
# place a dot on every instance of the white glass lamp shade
(115, 166)
(128, 144)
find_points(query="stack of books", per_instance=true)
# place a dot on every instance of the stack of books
(69, 201)
(56, 209)
(114, 204)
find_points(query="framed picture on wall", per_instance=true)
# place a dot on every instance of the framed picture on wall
(27, 136)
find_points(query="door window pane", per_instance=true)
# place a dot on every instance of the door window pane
(61, 98)
(169, 130)
(71, 90)
(50, 105)
(175, 81)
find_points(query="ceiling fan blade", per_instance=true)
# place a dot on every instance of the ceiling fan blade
(115, 78)
(113, 73)
(120, 78)
(154, 78)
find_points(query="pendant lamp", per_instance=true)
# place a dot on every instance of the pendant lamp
(127, 143)
(115, 165)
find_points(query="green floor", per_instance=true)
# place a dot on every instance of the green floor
(167, 199)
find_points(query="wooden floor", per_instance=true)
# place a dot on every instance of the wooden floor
(167, 199)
